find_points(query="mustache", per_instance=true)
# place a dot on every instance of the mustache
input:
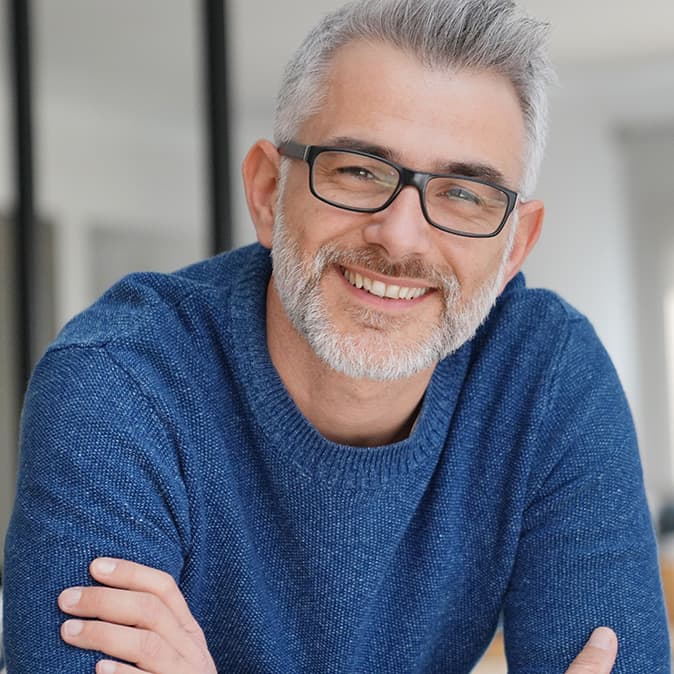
(374, 260)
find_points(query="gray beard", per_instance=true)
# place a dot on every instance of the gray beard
(371, 353)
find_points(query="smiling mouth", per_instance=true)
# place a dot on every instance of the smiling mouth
(380, 289)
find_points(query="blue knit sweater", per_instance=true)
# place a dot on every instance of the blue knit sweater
(156, 428)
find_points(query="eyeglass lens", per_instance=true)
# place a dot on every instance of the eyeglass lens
(351, 180)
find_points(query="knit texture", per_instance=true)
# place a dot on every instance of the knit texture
(156, 428)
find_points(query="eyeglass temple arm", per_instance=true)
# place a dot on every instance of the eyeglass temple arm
(294, 150)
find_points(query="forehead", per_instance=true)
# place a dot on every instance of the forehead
(427, 117)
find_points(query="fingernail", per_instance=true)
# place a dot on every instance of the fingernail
(106, 667)
(104, 566)
(70, 597)
(72, 627)
(603, 638)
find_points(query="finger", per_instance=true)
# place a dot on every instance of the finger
(143, 648)
(599, 654)
(125, 607)
(112, 667)
(128, 575)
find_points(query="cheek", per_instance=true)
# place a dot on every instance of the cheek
(314, 224)
(473, 261)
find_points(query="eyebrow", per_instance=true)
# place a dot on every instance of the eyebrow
(463, 168)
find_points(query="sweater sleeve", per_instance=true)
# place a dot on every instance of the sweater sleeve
(587, 554)
(98, 475)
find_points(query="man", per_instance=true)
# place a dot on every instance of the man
(358, 462)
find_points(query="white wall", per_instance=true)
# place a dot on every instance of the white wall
(99, 170)
(118, 130)
(649, 181)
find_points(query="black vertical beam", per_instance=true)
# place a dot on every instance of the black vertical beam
(217, 124)
(24, 211)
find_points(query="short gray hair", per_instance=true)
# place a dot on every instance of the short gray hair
(442, 34)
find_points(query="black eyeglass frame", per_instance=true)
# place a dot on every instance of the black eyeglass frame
(418, 179)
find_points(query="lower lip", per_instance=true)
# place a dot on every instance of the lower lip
(383, 303)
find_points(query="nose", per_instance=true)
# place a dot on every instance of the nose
(401, 228)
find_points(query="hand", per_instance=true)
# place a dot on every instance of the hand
(144, 620)
(598, 655)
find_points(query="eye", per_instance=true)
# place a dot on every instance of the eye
(359, 172)
(462, 194)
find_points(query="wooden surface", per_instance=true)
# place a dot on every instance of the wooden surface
(493, 661)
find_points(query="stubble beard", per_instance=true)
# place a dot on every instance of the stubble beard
(372, 352)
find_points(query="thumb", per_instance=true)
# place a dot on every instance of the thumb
(598, 655)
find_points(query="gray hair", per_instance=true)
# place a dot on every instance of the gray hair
(458, 34)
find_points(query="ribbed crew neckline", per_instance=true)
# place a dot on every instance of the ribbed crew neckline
(291, 435)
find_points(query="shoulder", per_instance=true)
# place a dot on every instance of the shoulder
(150, 305)
(538, 329)
(156, 340)
(525, 308)
(553, 353)
(543, 358)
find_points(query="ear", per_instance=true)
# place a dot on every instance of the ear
(531, 215)
(260, 171)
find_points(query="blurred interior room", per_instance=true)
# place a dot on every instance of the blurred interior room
(140, 114)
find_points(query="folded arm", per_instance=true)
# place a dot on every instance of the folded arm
(142, 618)
(98, 476)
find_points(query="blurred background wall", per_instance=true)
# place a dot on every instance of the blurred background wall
(121, 171)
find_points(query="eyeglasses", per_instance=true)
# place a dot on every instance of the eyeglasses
(365, 183)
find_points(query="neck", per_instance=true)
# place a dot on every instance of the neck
(357, 412)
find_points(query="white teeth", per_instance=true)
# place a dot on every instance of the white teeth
(380, 289)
